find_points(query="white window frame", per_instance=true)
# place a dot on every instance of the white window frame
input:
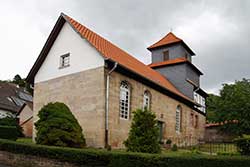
(146, 100)
(178, 119)
(65, 60)
(124, 102)
(200, 100)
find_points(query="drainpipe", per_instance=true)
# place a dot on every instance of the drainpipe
(107, 105)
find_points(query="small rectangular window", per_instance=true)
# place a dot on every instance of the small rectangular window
(166, 55)
(192, 119)
(64, 60)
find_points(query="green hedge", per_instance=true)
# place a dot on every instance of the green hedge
(8, 132)
(97, 158)
(243, 144)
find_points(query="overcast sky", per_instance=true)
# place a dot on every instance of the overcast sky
(217, 31)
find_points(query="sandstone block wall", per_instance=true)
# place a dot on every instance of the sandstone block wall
(84, 94)
(162, 105)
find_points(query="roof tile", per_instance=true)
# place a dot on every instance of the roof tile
(168, 62)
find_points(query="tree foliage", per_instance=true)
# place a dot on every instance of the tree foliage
(232, 107)
(144, 133)
(19, 80)
(58, 127)
(212, 107)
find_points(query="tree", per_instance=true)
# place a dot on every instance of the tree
(58, 127)
(212, 106)
(18, 80)
(144, 133)
(232, 107)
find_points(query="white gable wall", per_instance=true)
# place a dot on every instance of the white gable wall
(83, 56)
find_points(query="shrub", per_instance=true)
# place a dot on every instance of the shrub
(144, 133)
(8, 132)
(228, 153)
(161, 142)
(58, 127)
(243, 144)
(194, 150)
(98, 158)
(11, 121)
(174, 148)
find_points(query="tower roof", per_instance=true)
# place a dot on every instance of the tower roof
(170, 39)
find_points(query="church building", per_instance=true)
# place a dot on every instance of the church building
(103, 84)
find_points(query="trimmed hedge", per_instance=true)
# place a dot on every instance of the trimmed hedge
(8, 132)
(97, 158)
(243, 144)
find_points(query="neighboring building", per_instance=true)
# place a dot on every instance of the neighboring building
(213, 133)
(12, 97)
(25, 115)
(103, 84)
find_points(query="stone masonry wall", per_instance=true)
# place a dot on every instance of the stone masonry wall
(162, 105)
(84, 94)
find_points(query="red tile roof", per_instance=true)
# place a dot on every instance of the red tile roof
(208, 125)
(168, 62)
(110, 51)
(174, 61)
(170, 38)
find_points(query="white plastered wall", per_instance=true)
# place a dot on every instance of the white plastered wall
(83, 56)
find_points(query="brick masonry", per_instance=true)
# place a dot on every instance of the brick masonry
(84, 93)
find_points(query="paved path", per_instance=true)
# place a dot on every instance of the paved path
(4, 165)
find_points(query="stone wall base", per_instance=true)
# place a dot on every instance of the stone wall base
(20, 160)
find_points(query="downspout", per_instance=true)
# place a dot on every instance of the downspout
(107, 105)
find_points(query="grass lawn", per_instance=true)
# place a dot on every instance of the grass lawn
(25, 140)
(215, 148)
(218, 148)
(180, 152)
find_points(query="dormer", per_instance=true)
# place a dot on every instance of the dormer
(170, 47)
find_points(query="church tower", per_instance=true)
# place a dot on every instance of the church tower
(173, 59)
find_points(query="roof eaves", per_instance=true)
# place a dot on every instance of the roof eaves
(158, 84)
(150, 48)
(46, 48)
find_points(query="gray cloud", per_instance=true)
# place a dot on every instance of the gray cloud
(218, 31)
